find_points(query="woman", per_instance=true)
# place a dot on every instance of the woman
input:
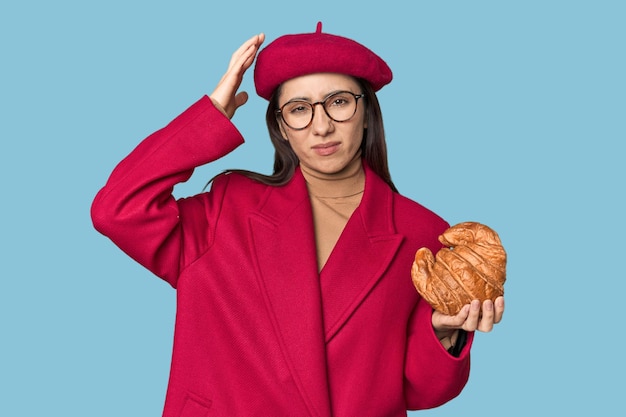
(294, 295)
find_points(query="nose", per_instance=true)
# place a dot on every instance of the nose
(321, 124)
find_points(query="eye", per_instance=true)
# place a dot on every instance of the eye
(297, 108)
(340, 100)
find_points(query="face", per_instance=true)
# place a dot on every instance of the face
(325, 146)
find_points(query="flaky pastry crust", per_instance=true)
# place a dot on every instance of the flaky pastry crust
(472, 266)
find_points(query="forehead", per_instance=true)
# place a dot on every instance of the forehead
(317, 86)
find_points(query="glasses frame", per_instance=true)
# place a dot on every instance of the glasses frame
(323, 103)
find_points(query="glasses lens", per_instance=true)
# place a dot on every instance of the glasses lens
(297, 114)
(341, 106)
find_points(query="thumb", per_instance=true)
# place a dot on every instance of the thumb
(241, 99)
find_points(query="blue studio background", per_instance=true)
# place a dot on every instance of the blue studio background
(511, 113)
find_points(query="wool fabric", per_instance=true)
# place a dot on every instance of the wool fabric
(292, 56)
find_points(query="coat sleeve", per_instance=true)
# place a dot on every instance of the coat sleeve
(432, 375)
(136, 208)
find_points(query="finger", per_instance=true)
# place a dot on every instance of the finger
(234, 73)
(244, 56)
(462, 315)
(225, 94)
(244, 49)
(499, 309)
(442, 321)
(486, 320)
(473, 317)
(241, 60)
(254, 50)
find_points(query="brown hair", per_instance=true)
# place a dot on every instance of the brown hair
(373, 147)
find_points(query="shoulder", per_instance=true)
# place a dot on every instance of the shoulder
(231, 194)
(237, 188)
(231, 188)
(409, 218)
(413, 218)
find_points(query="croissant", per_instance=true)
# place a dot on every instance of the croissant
(473, 266)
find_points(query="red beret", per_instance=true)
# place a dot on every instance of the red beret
(291, 56)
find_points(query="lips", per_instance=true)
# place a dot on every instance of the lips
(325, 149)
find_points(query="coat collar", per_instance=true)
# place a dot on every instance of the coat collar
(283, 243)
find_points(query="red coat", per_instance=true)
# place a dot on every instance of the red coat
(258, 331)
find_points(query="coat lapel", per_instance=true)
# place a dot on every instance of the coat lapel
(283, 241)
(362, 254)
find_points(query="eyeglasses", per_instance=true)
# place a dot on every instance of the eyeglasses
(339, 106)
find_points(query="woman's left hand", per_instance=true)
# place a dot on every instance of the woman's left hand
(472, 317)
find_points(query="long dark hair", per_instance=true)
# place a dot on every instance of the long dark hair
(373, 147)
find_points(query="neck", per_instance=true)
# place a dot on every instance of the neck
(345, 183)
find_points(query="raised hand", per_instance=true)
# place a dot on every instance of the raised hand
(225, 96)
